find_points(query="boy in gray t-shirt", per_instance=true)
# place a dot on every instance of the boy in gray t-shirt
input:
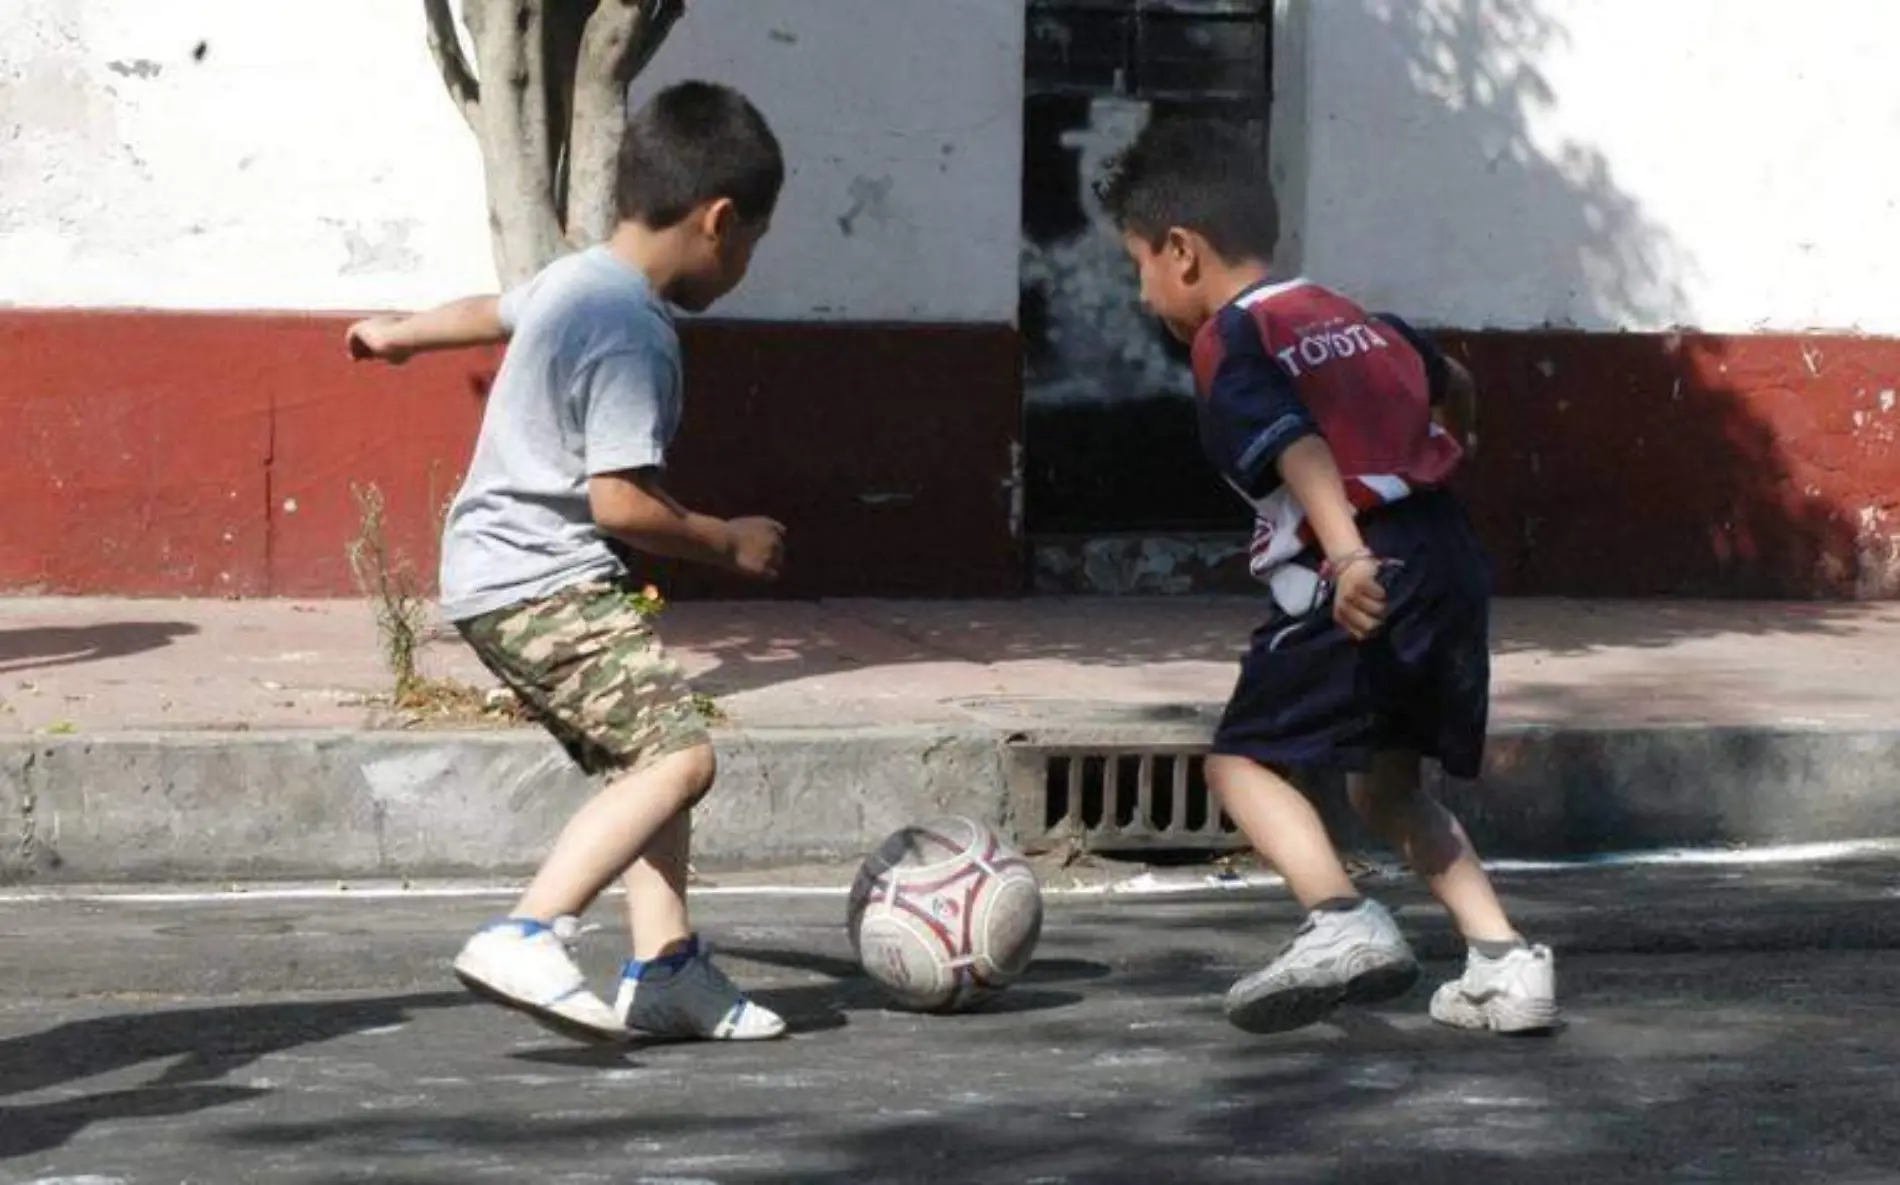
(572, 446)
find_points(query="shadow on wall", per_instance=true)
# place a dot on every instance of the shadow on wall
(1613, 464)
(1631, 462)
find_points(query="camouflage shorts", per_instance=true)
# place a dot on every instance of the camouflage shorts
(589, 667)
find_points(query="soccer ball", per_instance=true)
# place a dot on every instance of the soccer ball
(944, 914)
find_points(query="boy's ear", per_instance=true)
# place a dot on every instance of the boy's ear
(1182, 248)
(718, 218)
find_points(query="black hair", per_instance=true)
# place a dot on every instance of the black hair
(1204, 175)
(693, 143)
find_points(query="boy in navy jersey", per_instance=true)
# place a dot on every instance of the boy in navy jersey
(1341, 430)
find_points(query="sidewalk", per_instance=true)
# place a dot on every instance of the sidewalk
(125, 722)
(103, 666)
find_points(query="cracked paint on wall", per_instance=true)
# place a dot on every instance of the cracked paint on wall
(228, 155)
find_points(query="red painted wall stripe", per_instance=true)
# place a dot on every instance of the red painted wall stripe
(188, 454)
(200, 454)
(1650, 464)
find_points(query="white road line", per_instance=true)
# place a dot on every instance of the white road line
(1147, 884)
(365, 892)
(1805, 853)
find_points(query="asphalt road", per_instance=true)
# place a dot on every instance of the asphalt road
(1725, 1025)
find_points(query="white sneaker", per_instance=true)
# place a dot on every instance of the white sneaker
(1513, 994)
(1354, 956)
(522, 964)
(688, 997)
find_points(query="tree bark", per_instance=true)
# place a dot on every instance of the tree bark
(546, 99)
(561, 53)
(457, 76)
(512, 125)
(621, 38)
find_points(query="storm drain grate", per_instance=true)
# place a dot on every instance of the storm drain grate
(1117, 799)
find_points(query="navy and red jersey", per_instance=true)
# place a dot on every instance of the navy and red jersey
(1288, 360)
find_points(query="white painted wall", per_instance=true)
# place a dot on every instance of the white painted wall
(311, 161)
(1605, 164)
(902, 125)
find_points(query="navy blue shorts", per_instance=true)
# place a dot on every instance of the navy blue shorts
(1311, 696)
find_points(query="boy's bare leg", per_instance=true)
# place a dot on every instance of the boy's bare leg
(1283, 827)
(671, 987)
(1393, 802)
(522, 961)
(656, 891)
(1508, 985)
(609, 833)
(1349, 950)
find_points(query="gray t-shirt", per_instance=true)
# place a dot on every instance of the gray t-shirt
(590, 384)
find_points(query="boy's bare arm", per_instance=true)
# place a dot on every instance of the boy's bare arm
(636, 509)
(471, 321)
(1309, 470)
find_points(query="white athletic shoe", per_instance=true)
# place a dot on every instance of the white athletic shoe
(1354, 956)
(688, 997)
(522, 964)
(1513, 994)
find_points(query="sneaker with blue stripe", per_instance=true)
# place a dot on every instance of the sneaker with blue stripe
(524, 964)
(686, 996)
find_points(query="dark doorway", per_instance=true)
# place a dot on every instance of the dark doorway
(1110, 440)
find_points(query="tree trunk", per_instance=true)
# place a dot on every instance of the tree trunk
(561, 55)
(546, 98)
(512, 126)
(621, 37)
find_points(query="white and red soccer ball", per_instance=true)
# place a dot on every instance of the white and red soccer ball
(944, 914)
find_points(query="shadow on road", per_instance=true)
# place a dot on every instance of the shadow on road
(207, 1043)
(1762, 1091)
(822, 1006)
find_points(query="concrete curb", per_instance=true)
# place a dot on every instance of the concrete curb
(149, 807)
(240, 805)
